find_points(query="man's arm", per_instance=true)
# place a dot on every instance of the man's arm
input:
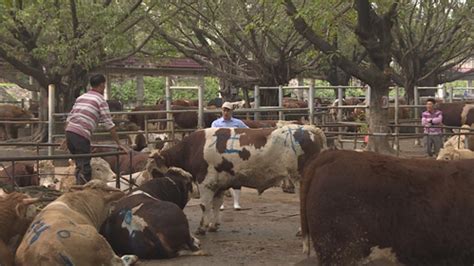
(115, 137)
(437, 120)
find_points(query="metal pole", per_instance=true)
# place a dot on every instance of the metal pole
(397, 130)
(130, 179)
(311, 102)
(451, 94)
(51, 101)
(280, 102)
(417, 112)
(169, 116)
(200, 123)
(339, 113)
(256, 96)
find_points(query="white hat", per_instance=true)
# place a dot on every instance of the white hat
(228, 105)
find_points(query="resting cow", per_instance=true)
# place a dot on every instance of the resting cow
(150, 222)
(65, 231)
(13, 221)
(219, 158)
(24, 174)
(421, 209)
(450, 153)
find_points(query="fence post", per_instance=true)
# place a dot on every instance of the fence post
(451, 90)
(417, 113)
(168, 104)
(256, 96)
(311, 102)
(280, 102)
(397, 129)
(339, 113)
(51, 100)
(200, 123)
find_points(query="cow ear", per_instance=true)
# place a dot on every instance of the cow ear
(29, 201)
(114, 196)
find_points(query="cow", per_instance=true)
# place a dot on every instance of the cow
(150, 222)
(421, 209)
(46, 172)
(14, 220)
(451, 153)
(21, 174)
(457, 114)
(183, 119)
(115, 105)
(220, 158)
(180, 102)
(268, 123)
(127, 164)
(66, 231)
(458, 141)
(13, 112)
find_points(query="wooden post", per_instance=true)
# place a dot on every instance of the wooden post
(140, 90)
(51, 100)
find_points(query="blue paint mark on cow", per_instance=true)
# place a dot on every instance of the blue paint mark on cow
(128, 217)
(65, 260)
(63, 234)
(38, 228)
(229, 151)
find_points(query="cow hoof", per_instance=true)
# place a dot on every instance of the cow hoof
(299, 234)
(200, 231)
(213, 228)
(129, 259)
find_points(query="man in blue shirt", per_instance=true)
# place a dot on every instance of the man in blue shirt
(228, 121)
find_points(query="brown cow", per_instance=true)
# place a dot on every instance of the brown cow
(180, 102)
(24, 175)
(182, 120)
(457, 114)
(137, 163)
(14, 220)
(13, 112)
(66, 231)
(150, 222)
(420, 209)
(220, 158)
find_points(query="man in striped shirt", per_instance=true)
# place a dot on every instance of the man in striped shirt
(89, 109)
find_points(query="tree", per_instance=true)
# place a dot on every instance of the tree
(244, 43)
(373, 32)
(59, 42)
(431, 38)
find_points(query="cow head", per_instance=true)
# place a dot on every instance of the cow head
(448, 154)
(23, 210)
(94, 201)
(185, 180)
(101, 170)
(47, 174)
(159, 161)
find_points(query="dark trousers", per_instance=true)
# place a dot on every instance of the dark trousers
(77, 144)
(434, 144)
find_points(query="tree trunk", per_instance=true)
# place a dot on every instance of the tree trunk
(378, 120)
(410, 91)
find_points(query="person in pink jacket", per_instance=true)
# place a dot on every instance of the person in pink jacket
(431, 119)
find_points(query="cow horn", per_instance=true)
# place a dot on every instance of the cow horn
(29, 201)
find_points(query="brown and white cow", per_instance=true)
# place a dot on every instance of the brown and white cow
(66, 231)
(421, 209)
(150, 222)
(457, 114)
(22, 174)
(14, 220)
(219, 158)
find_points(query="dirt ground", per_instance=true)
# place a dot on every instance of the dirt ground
(263, 233)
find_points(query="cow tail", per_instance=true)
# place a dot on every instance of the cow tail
(304, 188)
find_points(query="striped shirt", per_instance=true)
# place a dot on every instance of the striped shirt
(89, 109)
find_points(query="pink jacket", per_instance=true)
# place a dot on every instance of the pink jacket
(429, 119)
